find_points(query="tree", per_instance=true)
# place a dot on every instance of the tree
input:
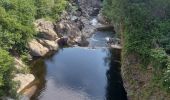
(16, 23)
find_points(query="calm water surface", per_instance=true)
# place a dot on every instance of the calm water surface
(80, 74)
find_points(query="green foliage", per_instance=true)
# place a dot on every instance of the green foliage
(159, 58)
(166, 77)
(50, 8)
(112, 9)
(6, 70)
(165, 34)
(17, 17)
(16, 26)
(144, 26)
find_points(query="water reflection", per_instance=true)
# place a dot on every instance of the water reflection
(80, 74)
(40, 71)
(115, 89)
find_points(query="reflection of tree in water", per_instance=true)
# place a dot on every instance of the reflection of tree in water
(114, 89)
(39, 70)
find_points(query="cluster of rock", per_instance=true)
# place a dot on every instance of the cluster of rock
(46, 40)
(89, 7)
(74, 27)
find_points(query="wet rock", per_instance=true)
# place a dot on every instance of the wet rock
(63, 41)
(83, 41)
(37, 49)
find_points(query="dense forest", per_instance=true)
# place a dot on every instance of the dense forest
(144, 26)
(16, 29)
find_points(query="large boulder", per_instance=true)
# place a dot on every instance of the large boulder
(51, 45)
(68, 28)
(37, 49)
(45, 29)
(63, 41)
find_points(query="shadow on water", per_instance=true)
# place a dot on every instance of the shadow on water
(115, 89)
(86, 74)
(39, 70)
(80, 73)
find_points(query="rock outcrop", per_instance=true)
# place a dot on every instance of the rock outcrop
(75, 24)
(51, 45)
(46, 40)
(74, 27)
(45, 29)
(69, 30)
(37, 49)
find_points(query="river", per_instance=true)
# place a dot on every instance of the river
(81, 73)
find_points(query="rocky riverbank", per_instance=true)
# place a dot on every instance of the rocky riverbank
(74, 27)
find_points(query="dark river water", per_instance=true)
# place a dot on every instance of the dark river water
(80, 74)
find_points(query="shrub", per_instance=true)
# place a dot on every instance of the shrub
(144, 26)
(6, 70)
(50, 8)
(159, 58)
(16, 26)
(166, 77)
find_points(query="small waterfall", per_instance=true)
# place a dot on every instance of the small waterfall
(94, 22)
